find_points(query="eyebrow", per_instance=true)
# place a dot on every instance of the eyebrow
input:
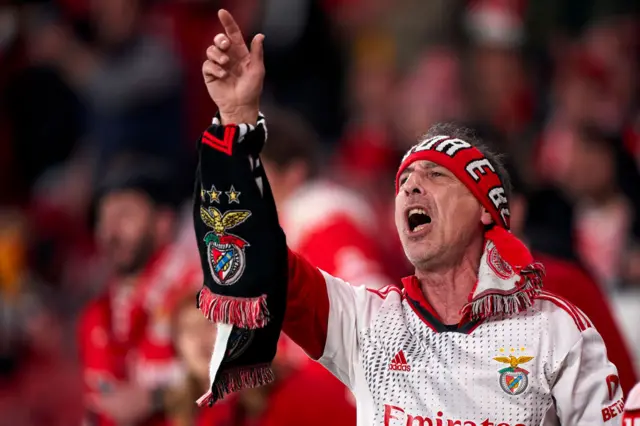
(427, 166)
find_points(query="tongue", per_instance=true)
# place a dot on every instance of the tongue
(416, 221)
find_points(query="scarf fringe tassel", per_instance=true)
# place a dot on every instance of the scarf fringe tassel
(500, 304)
(236, 379)
(243, 312)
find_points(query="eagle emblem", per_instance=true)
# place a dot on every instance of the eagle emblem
(514, 380)
(225, 251)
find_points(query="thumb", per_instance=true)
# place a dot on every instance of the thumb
(257, 48)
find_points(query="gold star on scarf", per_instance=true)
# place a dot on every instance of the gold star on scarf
(214, 194)
(234, 196)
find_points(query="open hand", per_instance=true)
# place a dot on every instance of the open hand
(233, 73)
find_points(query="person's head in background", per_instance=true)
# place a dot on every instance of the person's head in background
(592, 174)
(579, 87)
(116, 21)
(291, 156)
(612, 41)
(430, 92)
(135, 212)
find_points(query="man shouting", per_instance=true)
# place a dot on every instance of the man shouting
(470, 339)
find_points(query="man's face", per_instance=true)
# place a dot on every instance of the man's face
(125, 231)
(437, 217)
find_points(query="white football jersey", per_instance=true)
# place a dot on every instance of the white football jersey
(544, 366)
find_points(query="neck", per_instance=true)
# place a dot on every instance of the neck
(447, 290)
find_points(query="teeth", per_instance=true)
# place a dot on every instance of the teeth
(417, 211)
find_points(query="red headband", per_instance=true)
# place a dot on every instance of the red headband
(469, 165)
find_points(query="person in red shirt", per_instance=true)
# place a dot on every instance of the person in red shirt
(303, 393)
(331, 226)
(124, 335)
(544, 220)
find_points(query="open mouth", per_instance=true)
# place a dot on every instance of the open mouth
(417, 219)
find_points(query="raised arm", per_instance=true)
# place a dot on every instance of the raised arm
(254, 286)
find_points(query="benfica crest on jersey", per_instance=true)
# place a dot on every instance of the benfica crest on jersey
(225, 252)
(513, 379)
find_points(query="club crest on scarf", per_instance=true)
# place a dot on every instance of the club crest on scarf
(225, 251)
(514, 380)
(498, 265)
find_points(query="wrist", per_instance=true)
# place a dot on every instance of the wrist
(247, 115)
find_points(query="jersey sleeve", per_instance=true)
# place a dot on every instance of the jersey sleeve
(322, 317)
(587, 389)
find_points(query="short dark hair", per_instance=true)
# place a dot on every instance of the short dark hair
(290, 138)
(467, 134)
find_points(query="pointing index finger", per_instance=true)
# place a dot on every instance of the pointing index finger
(230, 27)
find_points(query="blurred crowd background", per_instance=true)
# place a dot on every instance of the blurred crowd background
(101, 106)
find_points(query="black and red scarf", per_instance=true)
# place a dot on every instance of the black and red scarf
(243, 254)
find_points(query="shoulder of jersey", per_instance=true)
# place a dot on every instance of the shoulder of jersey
(320, 203)
(562, 312)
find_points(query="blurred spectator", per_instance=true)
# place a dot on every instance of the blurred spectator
(129, 81)
(544, 219)
(305, 62)
(301, 393)
(430, 92)
(367, 145)
(124, 337)
(604, 213)
(333, 227)
(34, 358)
(504, 100)
(190, 25)
(34, 366)
(29, 94)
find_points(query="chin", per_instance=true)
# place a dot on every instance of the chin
(419, 259)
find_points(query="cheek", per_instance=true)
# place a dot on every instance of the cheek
(460, 211)
(133, 227)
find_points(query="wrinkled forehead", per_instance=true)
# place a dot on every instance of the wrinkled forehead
(421, 165)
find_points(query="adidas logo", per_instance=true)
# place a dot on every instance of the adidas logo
(399, 363)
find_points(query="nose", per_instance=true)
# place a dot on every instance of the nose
(412, 185)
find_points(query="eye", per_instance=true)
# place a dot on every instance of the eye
(434, 173)
(403, 180)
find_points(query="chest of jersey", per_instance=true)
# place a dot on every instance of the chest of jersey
(495, 374)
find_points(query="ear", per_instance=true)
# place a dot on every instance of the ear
(486, 218)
